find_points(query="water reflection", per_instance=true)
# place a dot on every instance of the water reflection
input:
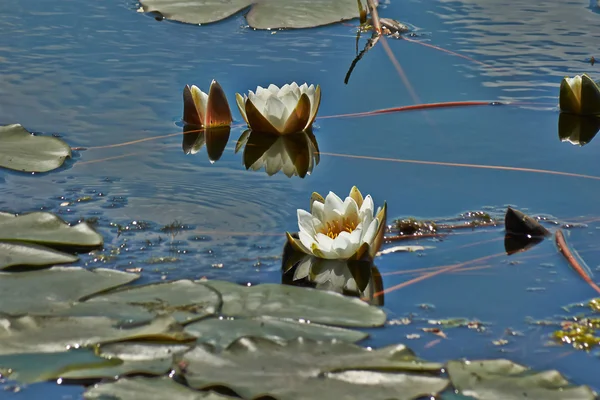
(295, 154)
(359, 278)
(516, 244)
(215, 140)
(577, 129)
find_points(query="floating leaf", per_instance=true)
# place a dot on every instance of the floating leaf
(280, 301)
(55, 334)
(221, 332)
(148, 389)
(127, 359)
(503, 379)
(22, 151)
(45, 291)
(39, 367)
(519, 224)
(305, 369)
(184, 300)
(263, 14)
(16, 254)
(47, 229)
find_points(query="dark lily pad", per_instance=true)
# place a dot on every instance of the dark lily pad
(55, 334)
(22, 151)
(47, 229)
(140, 388)
(519, 224)
(54, 289)
(305, 369)
(221, 332)
(263, 14)
(184, 300)
(16, 254)
(503, 379)
(281, 301)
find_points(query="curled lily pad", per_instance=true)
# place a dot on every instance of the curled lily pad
(55, 334)
(47, 229)
(305, 369)
(16, 254)
(221, 332)
(263, 14)
(22, 151)
(282, 301)
(140, 388)
(54, 289)
(184, 300)
(503, 379)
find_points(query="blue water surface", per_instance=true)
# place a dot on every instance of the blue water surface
(100, 74)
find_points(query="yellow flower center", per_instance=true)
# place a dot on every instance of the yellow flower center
(334, 228)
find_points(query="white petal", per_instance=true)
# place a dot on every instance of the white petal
(307, 240)
(273, 88)
(258, 101)
(369, 236)
(343, 245)
(367, 207)
(294, 86)
(318, 210)
(333, 206)
(290, 99)
(325, 245)
(303, 269)
(202, 98)
(351, 210)
(275, 112)
(305, 222)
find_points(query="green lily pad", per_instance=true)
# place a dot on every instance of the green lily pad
(22, 151)
(184, 300)
(503, 379)
(54, 289)
(124, 313)
(15, 254)
(306, 369)
(282, 301)
(221, 332)
(129, 358)
(40, 367)
(263, 14)
(55, 334)
(148, 389)
(47, 229)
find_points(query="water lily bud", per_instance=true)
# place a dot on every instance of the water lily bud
(282, 111)
(206, 110)
(336, 229)
(579, 95)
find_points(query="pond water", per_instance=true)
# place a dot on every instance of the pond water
(101, 74)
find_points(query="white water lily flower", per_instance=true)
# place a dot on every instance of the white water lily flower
(336, 229)
(579, 95)
(295, 154)
(206, 110)
(282, 111)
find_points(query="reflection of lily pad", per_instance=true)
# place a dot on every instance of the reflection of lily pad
(263, 14)
(47, 229)
(15, 254)
(42, 292)
(22, 151)
(148, 389)
(281, 301)
(55, 334)
(305, 369)
(184, 300)
(503, 379)
(221, 332)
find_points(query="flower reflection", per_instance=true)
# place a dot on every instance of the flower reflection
(215, 140)
(577, 129)
(359, 278)
(295, 154)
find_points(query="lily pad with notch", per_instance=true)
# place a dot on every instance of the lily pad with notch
(141, 388)
(21, 255)
(503, 379)
(305, 369)
(262, 14)
(282, 301)
(22, 151)
(45, 292)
